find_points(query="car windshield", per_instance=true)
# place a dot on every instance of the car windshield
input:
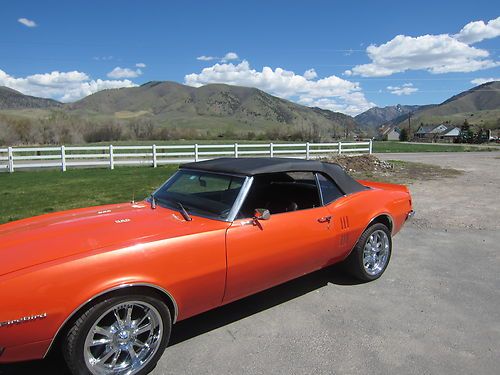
(200, 193)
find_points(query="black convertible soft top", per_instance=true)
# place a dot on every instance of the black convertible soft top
(256, 166)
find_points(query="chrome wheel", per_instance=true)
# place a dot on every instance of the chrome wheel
(376, 252)
(123, 339)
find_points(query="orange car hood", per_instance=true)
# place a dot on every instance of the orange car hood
(37, 240)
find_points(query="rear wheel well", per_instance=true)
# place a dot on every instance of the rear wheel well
(139, 289)
(383, 219)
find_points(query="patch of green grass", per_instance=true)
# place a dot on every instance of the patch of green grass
(30, 193)
(394, 146)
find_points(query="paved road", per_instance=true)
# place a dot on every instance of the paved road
(436, 310)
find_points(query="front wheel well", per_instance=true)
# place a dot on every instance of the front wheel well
(138, 289)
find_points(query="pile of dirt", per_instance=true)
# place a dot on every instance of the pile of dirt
(361, 163)
(369, 167)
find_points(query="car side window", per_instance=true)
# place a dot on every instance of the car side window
(329, 189)
(281, 192)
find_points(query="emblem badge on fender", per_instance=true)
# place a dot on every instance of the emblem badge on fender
(121, 221)
(24, 319)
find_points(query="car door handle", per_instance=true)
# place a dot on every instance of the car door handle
(325, 219)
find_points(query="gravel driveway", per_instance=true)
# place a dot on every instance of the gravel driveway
(436, 310)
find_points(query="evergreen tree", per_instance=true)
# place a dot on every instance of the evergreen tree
(403, 135)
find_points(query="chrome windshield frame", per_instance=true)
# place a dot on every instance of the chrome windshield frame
(247, 183)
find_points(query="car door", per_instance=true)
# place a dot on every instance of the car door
(264, 253)
(343, 213)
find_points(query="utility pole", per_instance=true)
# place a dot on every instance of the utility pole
(409, 125)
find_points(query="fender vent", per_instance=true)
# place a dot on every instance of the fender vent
(344, 222)
(344, 225)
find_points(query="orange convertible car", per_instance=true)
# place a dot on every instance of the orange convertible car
(106, 284)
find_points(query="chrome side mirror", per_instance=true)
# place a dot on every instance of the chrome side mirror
(261, 214)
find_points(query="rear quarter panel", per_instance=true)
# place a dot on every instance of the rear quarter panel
(354, 213)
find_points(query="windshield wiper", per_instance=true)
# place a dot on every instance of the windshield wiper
(183, 211)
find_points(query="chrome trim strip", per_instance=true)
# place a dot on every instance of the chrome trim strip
(378, 215)
(318, 187)
(118, 287)
(240, 199)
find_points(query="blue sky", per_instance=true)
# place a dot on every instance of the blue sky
(339, 55)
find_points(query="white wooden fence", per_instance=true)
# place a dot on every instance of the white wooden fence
(63, 157)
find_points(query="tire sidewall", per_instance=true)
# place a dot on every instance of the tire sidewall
(360, 248)
(78, 354)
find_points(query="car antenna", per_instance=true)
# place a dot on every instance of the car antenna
(153, 202)
(133, 197)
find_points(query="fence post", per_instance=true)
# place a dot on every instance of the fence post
(371, 147)
(307, 150)
(196, 152)
(155, 163)
(235, 150)
(63, 158)
(340, 147)
(111, 158)
(271, 149)
(11, 160)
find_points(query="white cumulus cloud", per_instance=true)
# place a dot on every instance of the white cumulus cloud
(477, 31)
(26, 22)
(227, 57)
(230, 56)
(442, 53)
(480, 81)
(406, 89)
(118, 73)
(205, 58)
(310, 74)
(63, 86)
(140, 65)
(330, 92)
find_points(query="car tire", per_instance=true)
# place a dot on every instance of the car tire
(104, 337)
(371, 254)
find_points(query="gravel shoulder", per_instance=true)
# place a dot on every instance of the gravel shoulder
(469, 200)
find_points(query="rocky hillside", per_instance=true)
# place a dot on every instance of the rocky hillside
(12, 99)
(212, 106)
(377, 116)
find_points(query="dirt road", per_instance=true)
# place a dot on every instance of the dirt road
(471, 200)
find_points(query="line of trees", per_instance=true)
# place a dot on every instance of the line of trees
(61, 128)
(468, 135)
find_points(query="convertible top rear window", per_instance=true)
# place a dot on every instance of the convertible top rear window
(329, 189)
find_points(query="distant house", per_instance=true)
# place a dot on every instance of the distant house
(393, 134)
(389, 134)
(451, 134)
(436, 133)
